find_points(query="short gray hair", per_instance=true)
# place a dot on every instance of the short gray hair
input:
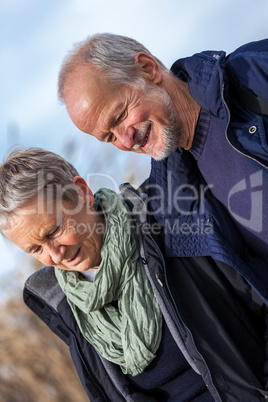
(28, 172)
(112, 54)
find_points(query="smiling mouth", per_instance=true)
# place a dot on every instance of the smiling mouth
(76, 254)
(145, 139)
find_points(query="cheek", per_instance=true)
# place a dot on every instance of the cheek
(44, 259)
(76, 232)
(156, 112)
(138, 115)
(73, 237)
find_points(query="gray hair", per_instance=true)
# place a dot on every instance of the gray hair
(112, 54)
(30, 172)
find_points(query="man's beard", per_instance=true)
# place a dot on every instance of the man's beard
(170, 135)
(170, 132)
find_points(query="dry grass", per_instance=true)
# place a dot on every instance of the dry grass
(35, 365)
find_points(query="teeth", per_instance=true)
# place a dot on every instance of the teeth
(146, 136)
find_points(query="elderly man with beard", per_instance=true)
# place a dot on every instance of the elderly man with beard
(205, 109)
(202, 115)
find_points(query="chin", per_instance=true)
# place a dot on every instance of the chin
(168, 146)
(161, 154)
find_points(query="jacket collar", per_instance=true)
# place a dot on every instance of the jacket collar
(207, 80)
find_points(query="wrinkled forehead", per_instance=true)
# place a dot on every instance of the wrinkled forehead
(35, 211)
(89, 101)
(85, 80)
(19, 223)
(85, 87)
(33, 217)
(27, 214)
(24, 230)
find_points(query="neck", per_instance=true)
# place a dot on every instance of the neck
(187, 109)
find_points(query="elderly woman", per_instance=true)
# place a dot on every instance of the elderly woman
(50, 212)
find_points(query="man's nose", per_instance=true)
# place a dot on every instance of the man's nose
(56, 252)
(126, 136)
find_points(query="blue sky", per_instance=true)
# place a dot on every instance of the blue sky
(35, 35)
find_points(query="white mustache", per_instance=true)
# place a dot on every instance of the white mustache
(141, 134)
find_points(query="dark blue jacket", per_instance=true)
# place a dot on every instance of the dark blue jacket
(231, 148)
(210, 76)
(195, 223)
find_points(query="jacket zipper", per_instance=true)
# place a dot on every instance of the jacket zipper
(172, 306)
(174, 310)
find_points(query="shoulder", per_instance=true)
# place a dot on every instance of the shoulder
(205, 74)
(247, 67)
(257, 48)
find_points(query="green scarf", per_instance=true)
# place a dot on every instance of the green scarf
(130, 334)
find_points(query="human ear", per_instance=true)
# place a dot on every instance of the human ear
(150, 69)
(87, 193)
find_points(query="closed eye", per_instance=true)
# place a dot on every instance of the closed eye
(51, 235)
(122, 116)
(110, 138)
(54, 233)
(36, 250)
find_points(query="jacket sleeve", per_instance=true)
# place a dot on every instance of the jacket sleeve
(247, 67)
